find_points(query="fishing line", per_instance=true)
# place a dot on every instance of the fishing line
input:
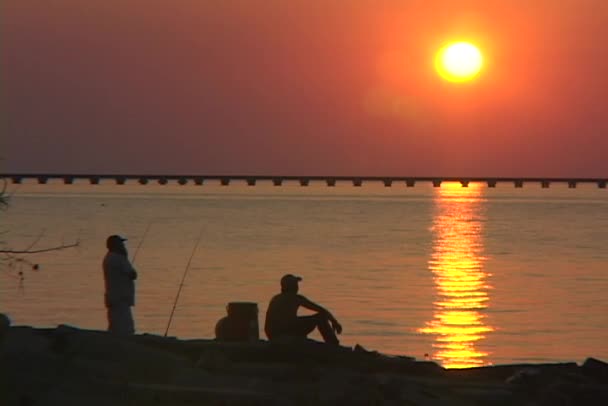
(143, 237)
(183, 279)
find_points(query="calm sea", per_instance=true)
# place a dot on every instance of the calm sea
(464, 276)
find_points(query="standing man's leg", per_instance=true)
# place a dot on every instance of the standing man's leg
(129, 322)
(110, 317)
(121, 320)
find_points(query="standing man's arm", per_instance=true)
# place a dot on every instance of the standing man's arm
(128, 269)
(308, 304)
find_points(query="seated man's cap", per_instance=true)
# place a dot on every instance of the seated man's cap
(289, 280)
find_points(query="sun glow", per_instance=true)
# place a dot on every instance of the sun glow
(460, 323)
(458, 61)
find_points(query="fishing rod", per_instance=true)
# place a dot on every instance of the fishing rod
(183, 279)
(143, 237)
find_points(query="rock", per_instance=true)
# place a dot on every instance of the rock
(490, 396)
(178, 395)
(25, 340)
(595, 369)
(390, 389)
(525, 377)
(213, 360)
(503, 373)
(556, 394)
(69, 366)
(534, 381)
(340, 389)
(428, 392)
(191, 376)
(126, 357)
(277, 371)
(591, 394)
(258, 351)
(29, 374)
(302, 350)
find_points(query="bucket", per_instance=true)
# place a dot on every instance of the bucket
(241, 324)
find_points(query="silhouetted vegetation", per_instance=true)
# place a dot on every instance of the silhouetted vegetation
(3, 198)
(16, 261)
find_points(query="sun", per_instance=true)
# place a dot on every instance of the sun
(458, 61)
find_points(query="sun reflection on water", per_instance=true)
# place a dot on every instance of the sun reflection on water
(459, 323)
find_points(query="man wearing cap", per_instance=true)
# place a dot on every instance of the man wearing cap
(282, 315)
(119, 276)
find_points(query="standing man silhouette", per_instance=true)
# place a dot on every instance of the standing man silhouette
(119, 277)
(282, 315)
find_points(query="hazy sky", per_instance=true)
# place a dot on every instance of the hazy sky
(302, 87)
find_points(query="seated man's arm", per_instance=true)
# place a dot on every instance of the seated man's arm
(309, 304)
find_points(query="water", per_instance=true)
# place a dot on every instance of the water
(467, 276)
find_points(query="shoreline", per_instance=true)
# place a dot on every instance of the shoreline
(68, 365)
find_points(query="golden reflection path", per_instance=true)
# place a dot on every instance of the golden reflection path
(457, 265)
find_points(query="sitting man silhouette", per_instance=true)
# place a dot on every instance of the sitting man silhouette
(282, 315)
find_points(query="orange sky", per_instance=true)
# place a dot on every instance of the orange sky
(334, 87)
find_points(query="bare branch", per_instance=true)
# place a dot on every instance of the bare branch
(30, 251)
(31, 246)
(10, 258)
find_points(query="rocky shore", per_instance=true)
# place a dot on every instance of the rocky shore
(71, 366)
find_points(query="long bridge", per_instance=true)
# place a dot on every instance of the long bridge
(251, 180)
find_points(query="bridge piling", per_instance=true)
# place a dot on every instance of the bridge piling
(388, 181)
